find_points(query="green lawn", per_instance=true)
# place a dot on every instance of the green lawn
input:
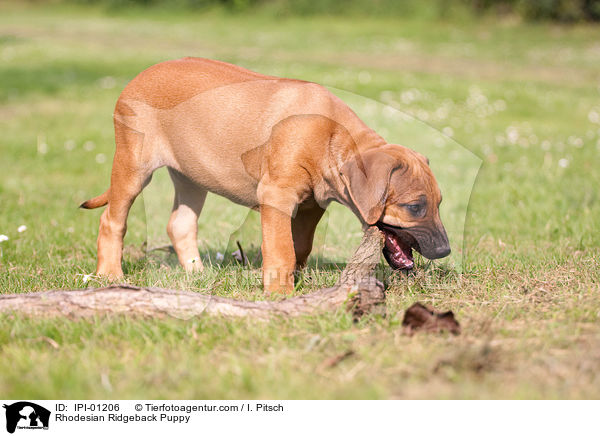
(521, 100)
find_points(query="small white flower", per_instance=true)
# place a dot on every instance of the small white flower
(70, 145)
(512, 134)
(563, 163)
(441, 113)
(22, 228)
(87, 277)
(220, 256)
(575, 141)
(89, 145)
(100, 158)
(407, 97)
(3, 238)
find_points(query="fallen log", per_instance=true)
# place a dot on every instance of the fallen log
(357, 291)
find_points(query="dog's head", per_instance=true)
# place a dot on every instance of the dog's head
(393, 188)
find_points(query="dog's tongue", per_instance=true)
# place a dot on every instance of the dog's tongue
(398, 254)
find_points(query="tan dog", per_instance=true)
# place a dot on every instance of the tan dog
(285, 147)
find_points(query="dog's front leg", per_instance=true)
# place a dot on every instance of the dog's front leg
(278, 202)
(278, 254)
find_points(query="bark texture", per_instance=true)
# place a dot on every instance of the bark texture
(357, 291)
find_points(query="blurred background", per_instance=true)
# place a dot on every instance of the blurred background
(558, 10)
(504, 98)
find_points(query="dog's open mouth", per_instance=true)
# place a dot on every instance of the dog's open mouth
(398, 247)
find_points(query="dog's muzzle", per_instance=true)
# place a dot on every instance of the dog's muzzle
(399, 243)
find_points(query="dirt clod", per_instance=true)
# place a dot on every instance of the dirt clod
(425, 318)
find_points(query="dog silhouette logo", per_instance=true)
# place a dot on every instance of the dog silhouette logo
(26, 415)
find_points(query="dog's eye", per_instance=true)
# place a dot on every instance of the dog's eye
(415, 209)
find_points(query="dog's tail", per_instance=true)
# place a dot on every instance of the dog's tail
(93, 203)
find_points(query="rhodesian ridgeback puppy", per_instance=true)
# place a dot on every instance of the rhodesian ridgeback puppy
(284, 147)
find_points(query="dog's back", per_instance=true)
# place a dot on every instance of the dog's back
(169, 83)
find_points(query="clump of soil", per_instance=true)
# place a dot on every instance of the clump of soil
(419, 317)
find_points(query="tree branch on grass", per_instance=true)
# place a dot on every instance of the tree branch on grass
(357, 291)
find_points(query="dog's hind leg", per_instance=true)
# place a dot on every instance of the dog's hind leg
(183, 224)
(130, 174)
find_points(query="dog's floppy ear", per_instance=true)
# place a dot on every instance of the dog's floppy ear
(367, 178)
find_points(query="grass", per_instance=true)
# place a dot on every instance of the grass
(523, 100)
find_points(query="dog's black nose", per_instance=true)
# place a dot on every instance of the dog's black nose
(442, 251)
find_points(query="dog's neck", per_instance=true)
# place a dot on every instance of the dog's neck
(345, 144)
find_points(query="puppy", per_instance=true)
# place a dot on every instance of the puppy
(284, 147)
